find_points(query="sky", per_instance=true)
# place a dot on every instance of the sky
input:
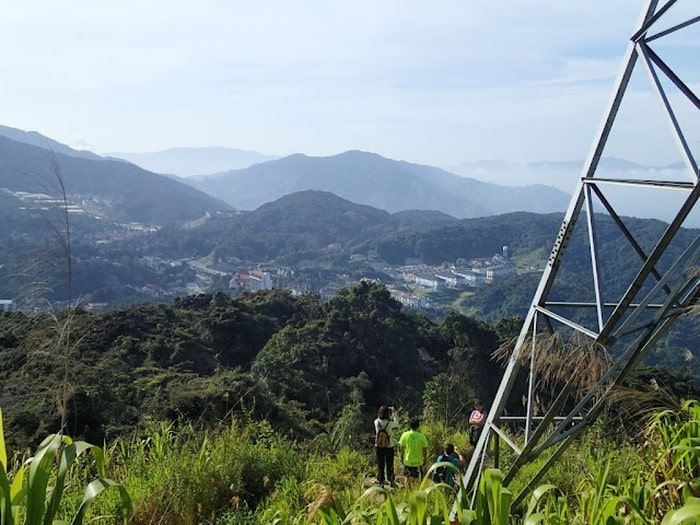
(436, 83)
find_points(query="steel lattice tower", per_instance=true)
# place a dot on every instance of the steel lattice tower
(622, 326)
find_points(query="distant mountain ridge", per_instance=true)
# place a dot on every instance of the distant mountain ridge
(370, 179)
(37, 139)
(193, 162)
(125, 192)
(627, 200)
(467, 190)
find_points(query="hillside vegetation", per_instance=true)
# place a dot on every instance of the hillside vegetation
(258, 409)
(294, 361)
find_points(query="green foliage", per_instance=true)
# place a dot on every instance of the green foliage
(468, 344)
(184, 476)
(677, 454)
(294, 361)
(350, 427)
(651, 487)
(363, 334)
(247, 474)
(32, 492)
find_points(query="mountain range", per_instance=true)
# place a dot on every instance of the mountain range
(363, 178)
(468, 190)
(628, 200)
(370, 179)
(113, 189)
(560, 174)
(191, 162)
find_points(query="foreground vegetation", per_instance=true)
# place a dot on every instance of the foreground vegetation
(220, 410)
(244, 473)
(256, 410)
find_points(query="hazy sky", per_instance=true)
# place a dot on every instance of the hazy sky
(436, 82)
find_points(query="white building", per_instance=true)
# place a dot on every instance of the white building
(429, 281)
(498, 272)
(407, 299)
(451, 280)
(471, 277)
(7, 305)
(259, 280)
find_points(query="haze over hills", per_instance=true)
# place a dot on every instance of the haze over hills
(114, 189)
(368, 178)
(191, 162)
(633, 201)
(471, 189)
(562, 174)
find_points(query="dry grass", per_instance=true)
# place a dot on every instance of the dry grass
(558, 360)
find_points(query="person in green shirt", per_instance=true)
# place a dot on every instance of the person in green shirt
(414, 450)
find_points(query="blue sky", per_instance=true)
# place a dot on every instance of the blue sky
(430, 82)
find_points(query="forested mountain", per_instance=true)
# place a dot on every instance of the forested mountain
(421, 217)
(292, 360)
(367, 178)
(296, 362)
(324, 231)
(321, 232)
(293, 227)
(304, 224)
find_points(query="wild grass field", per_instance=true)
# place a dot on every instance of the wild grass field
(244, 473)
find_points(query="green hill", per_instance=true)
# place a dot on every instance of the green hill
(292, 360)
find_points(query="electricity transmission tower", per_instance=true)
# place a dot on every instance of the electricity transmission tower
(630, 295)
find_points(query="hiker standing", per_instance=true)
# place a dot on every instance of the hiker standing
(414, 450)
(386, 422)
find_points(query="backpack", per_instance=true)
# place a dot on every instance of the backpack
(440, 473)
(381, 440)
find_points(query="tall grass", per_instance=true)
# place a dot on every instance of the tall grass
(661, 485)
(185, 476)
(32, 492)
(245, 474)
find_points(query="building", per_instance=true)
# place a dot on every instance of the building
(7, 305)
(406, 299)
(259, 280)
(429, 281)
(498, 272)
(471, 277)
(451, 280)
